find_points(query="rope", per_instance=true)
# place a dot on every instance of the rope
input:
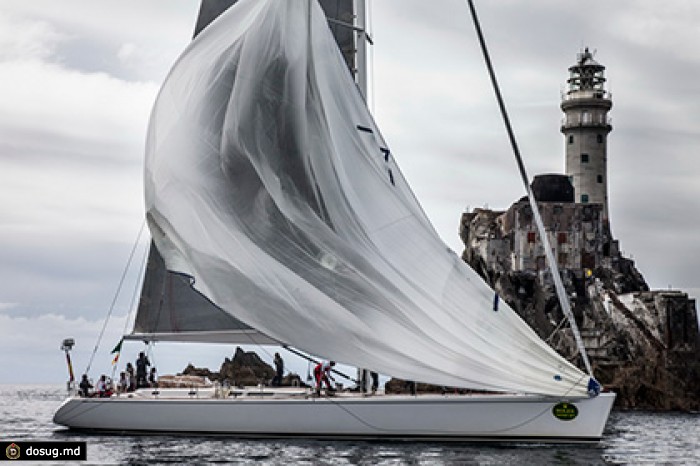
(558, 285)
(297, 353)
(131, 304)
(150, 354)
(556, 329)
(114, 300)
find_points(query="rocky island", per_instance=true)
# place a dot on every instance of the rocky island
(246, 368)
(642, 344)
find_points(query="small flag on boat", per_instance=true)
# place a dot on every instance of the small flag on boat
(117, 349)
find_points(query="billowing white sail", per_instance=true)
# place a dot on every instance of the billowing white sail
(169, 308)
(269, 184)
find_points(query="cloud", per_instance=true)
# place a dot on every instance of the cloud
(35, 342)
(126, 52)
(79, 78)
(450, 141)
(668, 30)
(25, 39)
(86, 107)
(71, 150)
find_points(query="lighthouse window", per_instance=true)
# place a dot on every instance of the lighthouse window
(584, 158)
(600, 178)
(584, 198)
(571, 139)
(600, 138)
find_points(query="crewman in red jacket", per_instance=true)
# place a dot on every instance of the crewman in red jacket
(322, 373)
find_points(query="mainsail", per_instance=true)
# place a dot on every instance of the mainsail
(171, 310)
(269, 184)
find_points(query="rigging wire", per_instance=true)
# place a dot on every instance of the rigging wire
(556, 329)
(312, 360)
(298, 353)
(136, 291)
(558, 285)
(131, 304)
(116, 295)
(151, 354)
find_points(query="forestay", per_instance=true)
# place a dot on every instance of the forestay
(269, 184)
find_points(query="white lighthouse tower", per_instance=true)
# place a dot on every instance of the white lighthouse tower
(586, 126)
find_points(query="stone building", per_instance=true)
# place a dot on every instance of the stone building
(577, 233)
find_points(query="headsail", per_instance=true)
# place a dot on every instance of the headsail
(268, 182)
(169, 308)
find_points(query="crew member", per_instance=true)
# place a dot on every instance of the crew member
(279, 371)
(85, 386)
(142, 364)
(322, 373)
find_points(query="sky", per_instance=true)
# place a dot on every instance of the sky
(78, 79)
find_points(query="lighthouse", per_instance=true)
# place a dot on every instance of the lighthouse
(586, 126)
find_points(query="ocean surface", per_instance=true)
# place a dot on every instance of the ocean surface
(630, 438)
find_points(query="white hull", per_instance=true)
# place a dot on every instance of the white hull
(430, 417)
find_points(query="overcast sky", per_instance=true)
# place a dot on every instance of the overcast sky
(78, 79)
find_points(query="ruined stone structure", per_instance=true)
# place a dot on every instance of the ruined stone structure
(643, 344)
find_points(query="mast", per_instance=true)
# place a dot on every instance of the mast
(361, 44)
(209, 10)
(361, 39)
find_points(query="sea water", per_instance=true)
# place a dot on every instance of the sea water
(630, 438)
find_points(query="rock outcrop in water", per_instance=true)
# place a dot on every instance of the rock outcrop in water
(245, 369)
(642, 344)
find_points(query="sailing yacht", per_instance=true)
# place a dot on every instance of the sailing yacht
(279, 216)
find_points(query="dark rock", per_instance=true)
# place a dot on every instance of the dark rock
(399, 386)
(292, 380)
(200, 372)
(245, 369)
(643, 344)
